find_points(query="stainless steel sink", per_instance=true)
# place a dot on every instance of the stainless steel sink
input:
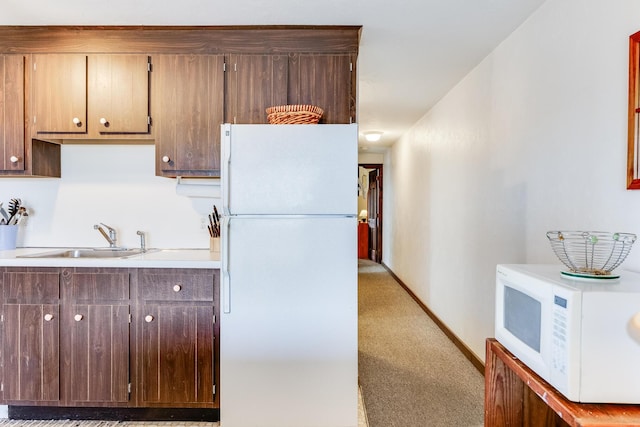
(88, 253)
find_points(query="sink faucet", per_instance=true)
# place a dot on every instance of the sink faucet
(111, 237)
(143, 245)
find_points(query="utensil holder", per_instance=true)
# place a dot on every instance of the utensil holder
(214, 247)
(8, 237)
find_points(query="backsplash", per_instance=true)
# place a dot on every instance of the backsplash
(113, 184)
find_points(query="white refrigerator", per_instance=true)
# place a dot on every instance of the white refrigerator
(289, 336)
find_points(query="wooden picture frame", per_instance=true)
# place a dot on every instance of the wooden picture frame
(633, 132)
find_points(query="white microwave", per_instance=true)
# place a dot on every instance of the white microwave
(580, 335)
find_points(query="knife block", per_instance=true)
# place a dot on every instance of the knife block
(214, 247)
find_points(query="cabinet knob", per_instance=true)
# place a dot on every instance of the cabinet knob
(177, 288)
(148, 318)
(166, 159)
(77, 121)
(48, 317)
(77, 317)
(104, 122)
(14, 159)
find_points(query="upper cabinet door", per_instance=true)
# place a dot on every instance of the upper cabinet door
(188, 100)
(12, 125)
(325, 81)
(254, 83)
(59, 94)
(119, 93)
(79, 96)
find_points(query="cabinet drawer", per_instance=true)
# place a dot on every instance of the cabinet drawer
(98, 286)
(176, 285)
(31, 286)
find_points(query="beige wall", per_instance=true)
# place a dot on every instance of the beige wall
(533, 139)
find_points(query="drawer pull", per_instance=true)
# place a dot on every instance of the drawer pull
(177, 288)
(77, 317)
(48, 317)
(148, 318)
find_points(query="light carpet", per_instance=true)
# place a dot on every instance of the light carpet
(410, 373)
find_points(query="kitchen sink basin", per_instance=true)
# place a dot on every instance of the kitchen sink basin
(88, 253)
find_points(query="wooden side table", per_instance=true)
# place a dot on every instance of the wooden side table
(516, 396)
(363, 240)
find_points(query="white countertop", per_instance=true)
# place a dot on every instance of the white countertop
(155, 258)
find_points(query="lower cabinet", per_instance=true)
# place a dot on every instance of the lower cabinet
(176, 326)
(30, 332)
(177, 354)
(109, 337)
(95, 336)
(31, 369)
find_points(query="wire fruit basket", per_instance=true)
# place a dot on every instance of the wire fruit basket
(294, 114)
(591, 253)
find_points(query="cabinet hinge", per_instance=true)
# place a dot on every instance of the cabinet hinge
(34, 66)
(149, 67)
(2, 318)
(351, 67)
(235, 67)
(129, 322)
(129, 388)
(214, 389)
(149, 120)
(2, 387)
(214, 318)
(224, 66)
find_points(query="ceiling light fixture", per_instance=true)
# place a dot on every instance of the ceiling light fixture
(373, 136)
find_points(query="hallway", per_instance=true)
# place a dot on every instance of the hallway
(410, 373)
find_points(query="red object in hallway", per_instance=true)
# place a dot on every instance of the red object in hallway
(363, 240)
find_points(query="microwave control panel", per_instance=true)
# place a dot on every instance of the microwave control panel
(559, 338)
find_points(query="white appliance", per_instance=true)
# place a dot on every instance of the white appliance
(289, 337)
(581, 336)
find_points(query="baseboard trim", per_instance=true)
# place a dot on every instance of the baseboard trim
(466, 351)
(113, 414)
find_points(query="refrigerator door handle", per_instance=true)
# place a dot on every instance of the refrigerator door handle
(226, 165)
(226, 279)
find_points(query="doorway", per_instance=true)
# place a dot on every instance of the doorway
(370, 207)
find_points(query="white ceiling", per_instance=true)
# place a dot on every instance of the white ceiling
(411, 52)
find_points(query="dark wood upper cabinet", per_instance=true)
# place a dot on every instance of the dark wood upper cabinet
(119, 94)
(254, 83)
(325, 81)
(59, 94)
(188, 99)
(19, 155)
(80, 96)
(12, 125)
(164, 85)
